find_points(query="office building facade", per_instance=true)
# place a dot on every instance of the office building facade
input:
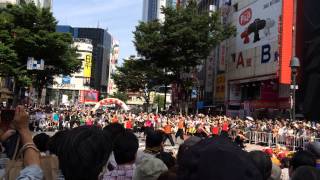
(101, 41)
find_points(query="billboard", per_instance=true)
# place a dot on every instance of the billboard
(255, 49)
(88, 96)
(87, 63)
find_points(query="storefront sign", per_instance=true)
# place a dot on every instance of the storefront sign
(220, 87)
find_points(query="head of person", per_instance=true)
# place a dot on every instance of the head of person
(83, 153)
(217, 158)
(41, 141)
(186, 145)
(154, 140)
(167, 159)
(55, 141)
(263, 162)
(114, 129)
(314, 148)
(125, 148)
(301, 158)
(306, 172)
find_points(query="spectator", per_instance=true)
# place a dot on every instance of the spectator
(114, 129)
(148, 166)
(31, 154)
(168, 175)
(217, 158)
(186, 145)
(154, 145)
(41, 141)
(149, 169)
(301, 158)
(167, 158)
(306, 173)
(83, 153)
(125, 150)
(263, 162)
(314, 148)
(55, 141)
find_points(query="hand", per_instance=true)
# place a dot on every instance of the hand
(7, 134)
(21, 119)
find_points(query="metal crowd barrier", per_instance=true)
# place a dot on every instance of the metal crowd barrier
(270, 140)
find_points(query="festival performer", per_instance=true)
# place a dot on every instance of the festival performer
(129, 123)
(167, 133)
(180, 128)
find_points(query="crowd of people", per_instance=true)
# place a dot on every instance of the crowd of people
(105, 145)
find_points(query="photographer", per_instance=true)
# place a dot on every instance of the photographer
(31, 154)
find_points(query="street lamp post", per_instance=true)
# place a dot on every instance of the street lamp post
(294, 65)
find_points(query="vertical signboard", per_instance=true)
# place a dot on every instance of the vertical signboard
(87, 63)
(286, 41)
(220, 88)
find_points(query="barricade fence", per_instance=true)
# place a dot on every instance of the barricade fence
(272, 140)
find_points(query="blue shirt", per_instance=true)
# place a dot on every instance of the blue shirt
(32, 172)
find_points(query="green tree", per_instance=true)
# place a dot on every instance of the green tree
(27, 31)
(137, 75)
(159, 100)
(123, 96)
(183, 41)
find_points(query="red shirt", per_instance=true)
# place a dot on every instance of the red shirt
(215, 130)
(225, 127)
(129, 125)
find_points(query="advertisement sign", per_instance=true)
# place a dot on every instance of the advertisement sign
(89, 96)
(66, 80)
(220, 88)
(87, 63)
(33, 64)
(256, 50)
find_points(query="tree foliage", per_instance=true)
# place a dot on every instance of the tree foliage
(27, 31)
(123, 96)
(183, 40)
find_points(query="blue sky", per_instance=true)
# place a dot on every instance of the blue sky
(119, 16)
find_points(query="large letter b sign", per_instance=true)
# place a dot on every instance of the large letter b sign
(265, 53)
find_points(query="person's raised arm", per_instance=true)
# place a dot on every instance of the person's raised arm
(30, 152)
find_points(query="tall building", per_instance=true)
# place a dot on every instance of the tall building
(114, 56)
(256, 60)
(152, 10)
(101, 41)
(69, 89)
